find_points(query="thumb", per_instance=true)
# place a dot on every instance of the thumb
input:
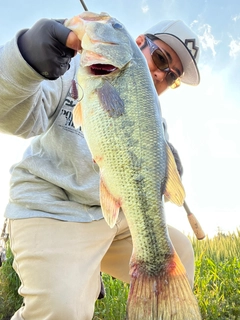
(73, 42)
(66, 36)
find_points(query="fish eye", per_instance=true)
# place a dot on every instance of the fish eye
(116, 25)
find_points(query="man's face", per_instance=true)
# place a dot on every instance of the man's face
(158, 76)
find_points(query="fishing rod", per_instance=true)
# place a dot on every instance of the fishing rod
(196, 227)
(84, 6)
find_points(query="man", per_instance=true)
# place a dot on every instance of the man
(58, 236)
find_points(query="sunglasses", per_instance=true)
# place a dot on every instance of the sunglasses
(161, 62)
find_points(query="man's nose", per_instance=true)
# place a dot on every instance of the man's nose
(159, 75)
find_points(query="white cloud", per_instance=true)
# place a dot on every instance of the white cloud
(235, 18)
(194, 23)
(221, 138)
(207, 39)
(144, 6)
(234, 48)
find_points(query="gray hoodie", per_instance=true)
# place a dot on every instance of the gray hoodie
(56, 177)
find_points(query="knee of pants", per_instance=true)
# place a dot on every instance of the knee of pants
(184, 250)
(61, 300)
(53, 308)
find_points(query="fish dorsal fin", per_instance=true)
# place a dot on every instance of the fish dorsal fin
(110, 206)
(110, 100)
(77, 115)
(174, 190)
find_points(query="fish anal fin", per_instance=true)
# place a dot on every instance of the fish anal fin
(174, 190)
(166, 295)
(77, 115)
(110, 205)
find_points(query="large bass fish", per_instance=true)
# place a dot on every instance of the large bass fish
(121, 120)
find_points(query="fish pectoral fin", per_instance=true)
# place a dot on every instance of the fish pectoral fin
(110, 100)
(174, 190)
(110, 206)
(77, 115)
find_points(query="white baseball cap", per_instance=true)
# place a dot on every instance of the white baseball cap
(184, 42)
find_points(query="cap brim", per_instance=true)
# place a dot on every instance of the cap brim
(191, 74)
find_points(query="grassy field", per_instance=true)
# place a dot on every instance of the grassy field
(217, 283)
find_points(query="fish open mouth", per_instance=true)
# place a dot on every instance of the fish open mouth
(102, 69)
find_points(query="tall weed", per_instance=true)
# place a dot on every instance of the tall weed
(217, 276)
(10, 301)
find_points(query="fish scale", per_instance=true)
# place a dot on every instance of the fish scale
(121, 120)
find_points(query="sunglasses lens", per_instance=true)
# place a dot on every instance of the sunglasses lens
(171, 78)
(161, 63)
(160, 60)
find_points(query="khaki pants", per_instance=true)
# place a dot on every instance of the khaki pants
(59, 263)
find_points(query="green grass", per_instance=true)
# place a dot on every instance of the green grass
(10, 301)
(217, 277)
(217, 283)
(113, 306)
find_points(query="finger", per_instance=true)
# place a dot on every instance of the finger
(73, 42)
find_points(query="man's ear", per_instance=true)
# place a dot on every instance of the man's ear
(140, 40)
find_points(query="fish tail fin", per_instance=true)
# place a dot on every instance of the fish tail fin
(166, 296)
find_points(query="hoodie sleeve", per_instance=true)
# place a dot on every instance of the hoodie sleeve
(27, 100)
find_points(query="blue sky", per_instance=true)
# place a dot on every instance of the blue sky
(203, 122)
